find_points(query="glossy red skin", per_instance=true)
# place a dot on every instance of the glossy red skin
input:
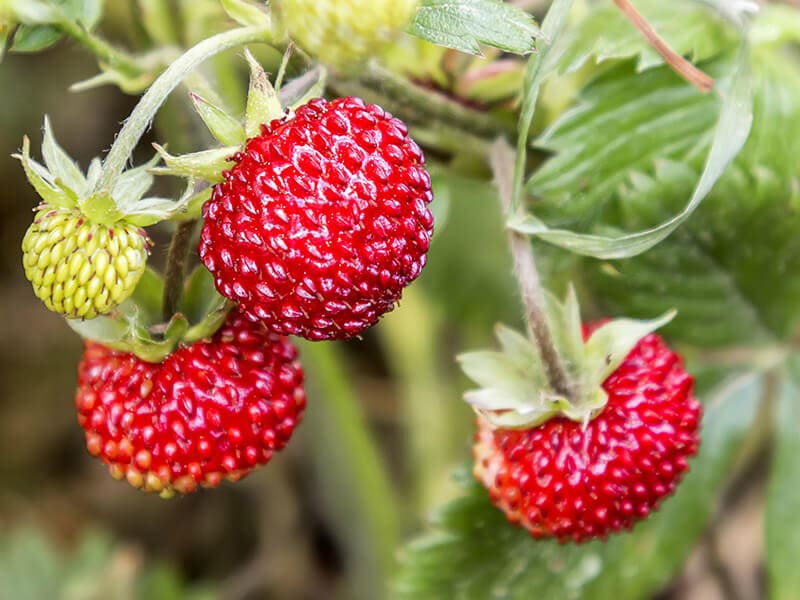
(561, 480)
(211, 411)
(322, 221)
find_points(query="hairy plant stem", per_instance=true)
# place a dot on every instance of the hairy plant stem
(677, 63)
(176, 266)
(502, 161)
(141, 117)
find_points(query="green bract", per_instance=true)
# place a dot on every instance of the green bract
(264, 105)
(515, 391)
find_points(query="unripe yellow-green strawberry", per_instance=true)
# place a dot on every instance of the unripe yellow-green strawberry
(344, 33)
(79, 268)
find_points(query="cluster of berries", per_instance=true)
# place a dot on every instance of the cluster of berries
(315, 230)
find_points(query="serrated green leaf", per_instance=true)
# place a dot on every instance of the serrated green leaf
(34, 38)
(464, 24)
(783, 491)
(606, 34)
(475, 554)
(222, 126)
(730, 135)
(728, 284)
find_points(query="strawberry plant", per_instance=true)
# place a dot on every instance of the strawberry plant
(409, 176)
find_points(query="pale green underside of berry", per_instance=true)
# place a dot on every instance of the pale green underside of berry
(82, 269)
(345, 33)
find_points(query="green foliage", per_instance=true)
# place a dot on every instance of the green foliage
(464, 24)
(624, 122)
(783, 496)
(33, 567)
(474, 554)
(605, 33)
(728, 285)
(40, 20)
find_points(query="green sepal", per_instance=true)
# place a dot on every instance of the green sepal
(41, 179)
(515, 391)
(222, 126)
(149, 211)
(610, 343)
(128, 328)
(59, 163)
(60, 183)
(263, 105)
(207, 165)
(247, 13)
(101, 208)
(136, 327)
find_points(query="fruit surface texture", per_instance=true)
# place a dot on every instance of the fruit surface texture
(82, 269)
(211, 411)
(577, 482)
(345, 33)
(322, 221)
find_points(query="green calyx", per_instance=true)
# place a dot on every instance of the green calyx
(515, 392)
(136, 326)
(61, 184)
(264, 105)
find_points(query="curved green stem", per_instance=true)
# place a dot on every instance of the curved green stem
(104, 51)
(151, 101)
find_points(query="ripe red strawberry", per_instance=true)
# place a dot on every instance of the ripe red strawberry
(573, 482)
(322, 221)
(211, 411)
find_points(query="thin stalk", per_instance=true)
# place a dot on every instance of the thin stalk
(530, 286)
(141, 117)
(177, 257)
(677, 63)
(104, 51)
